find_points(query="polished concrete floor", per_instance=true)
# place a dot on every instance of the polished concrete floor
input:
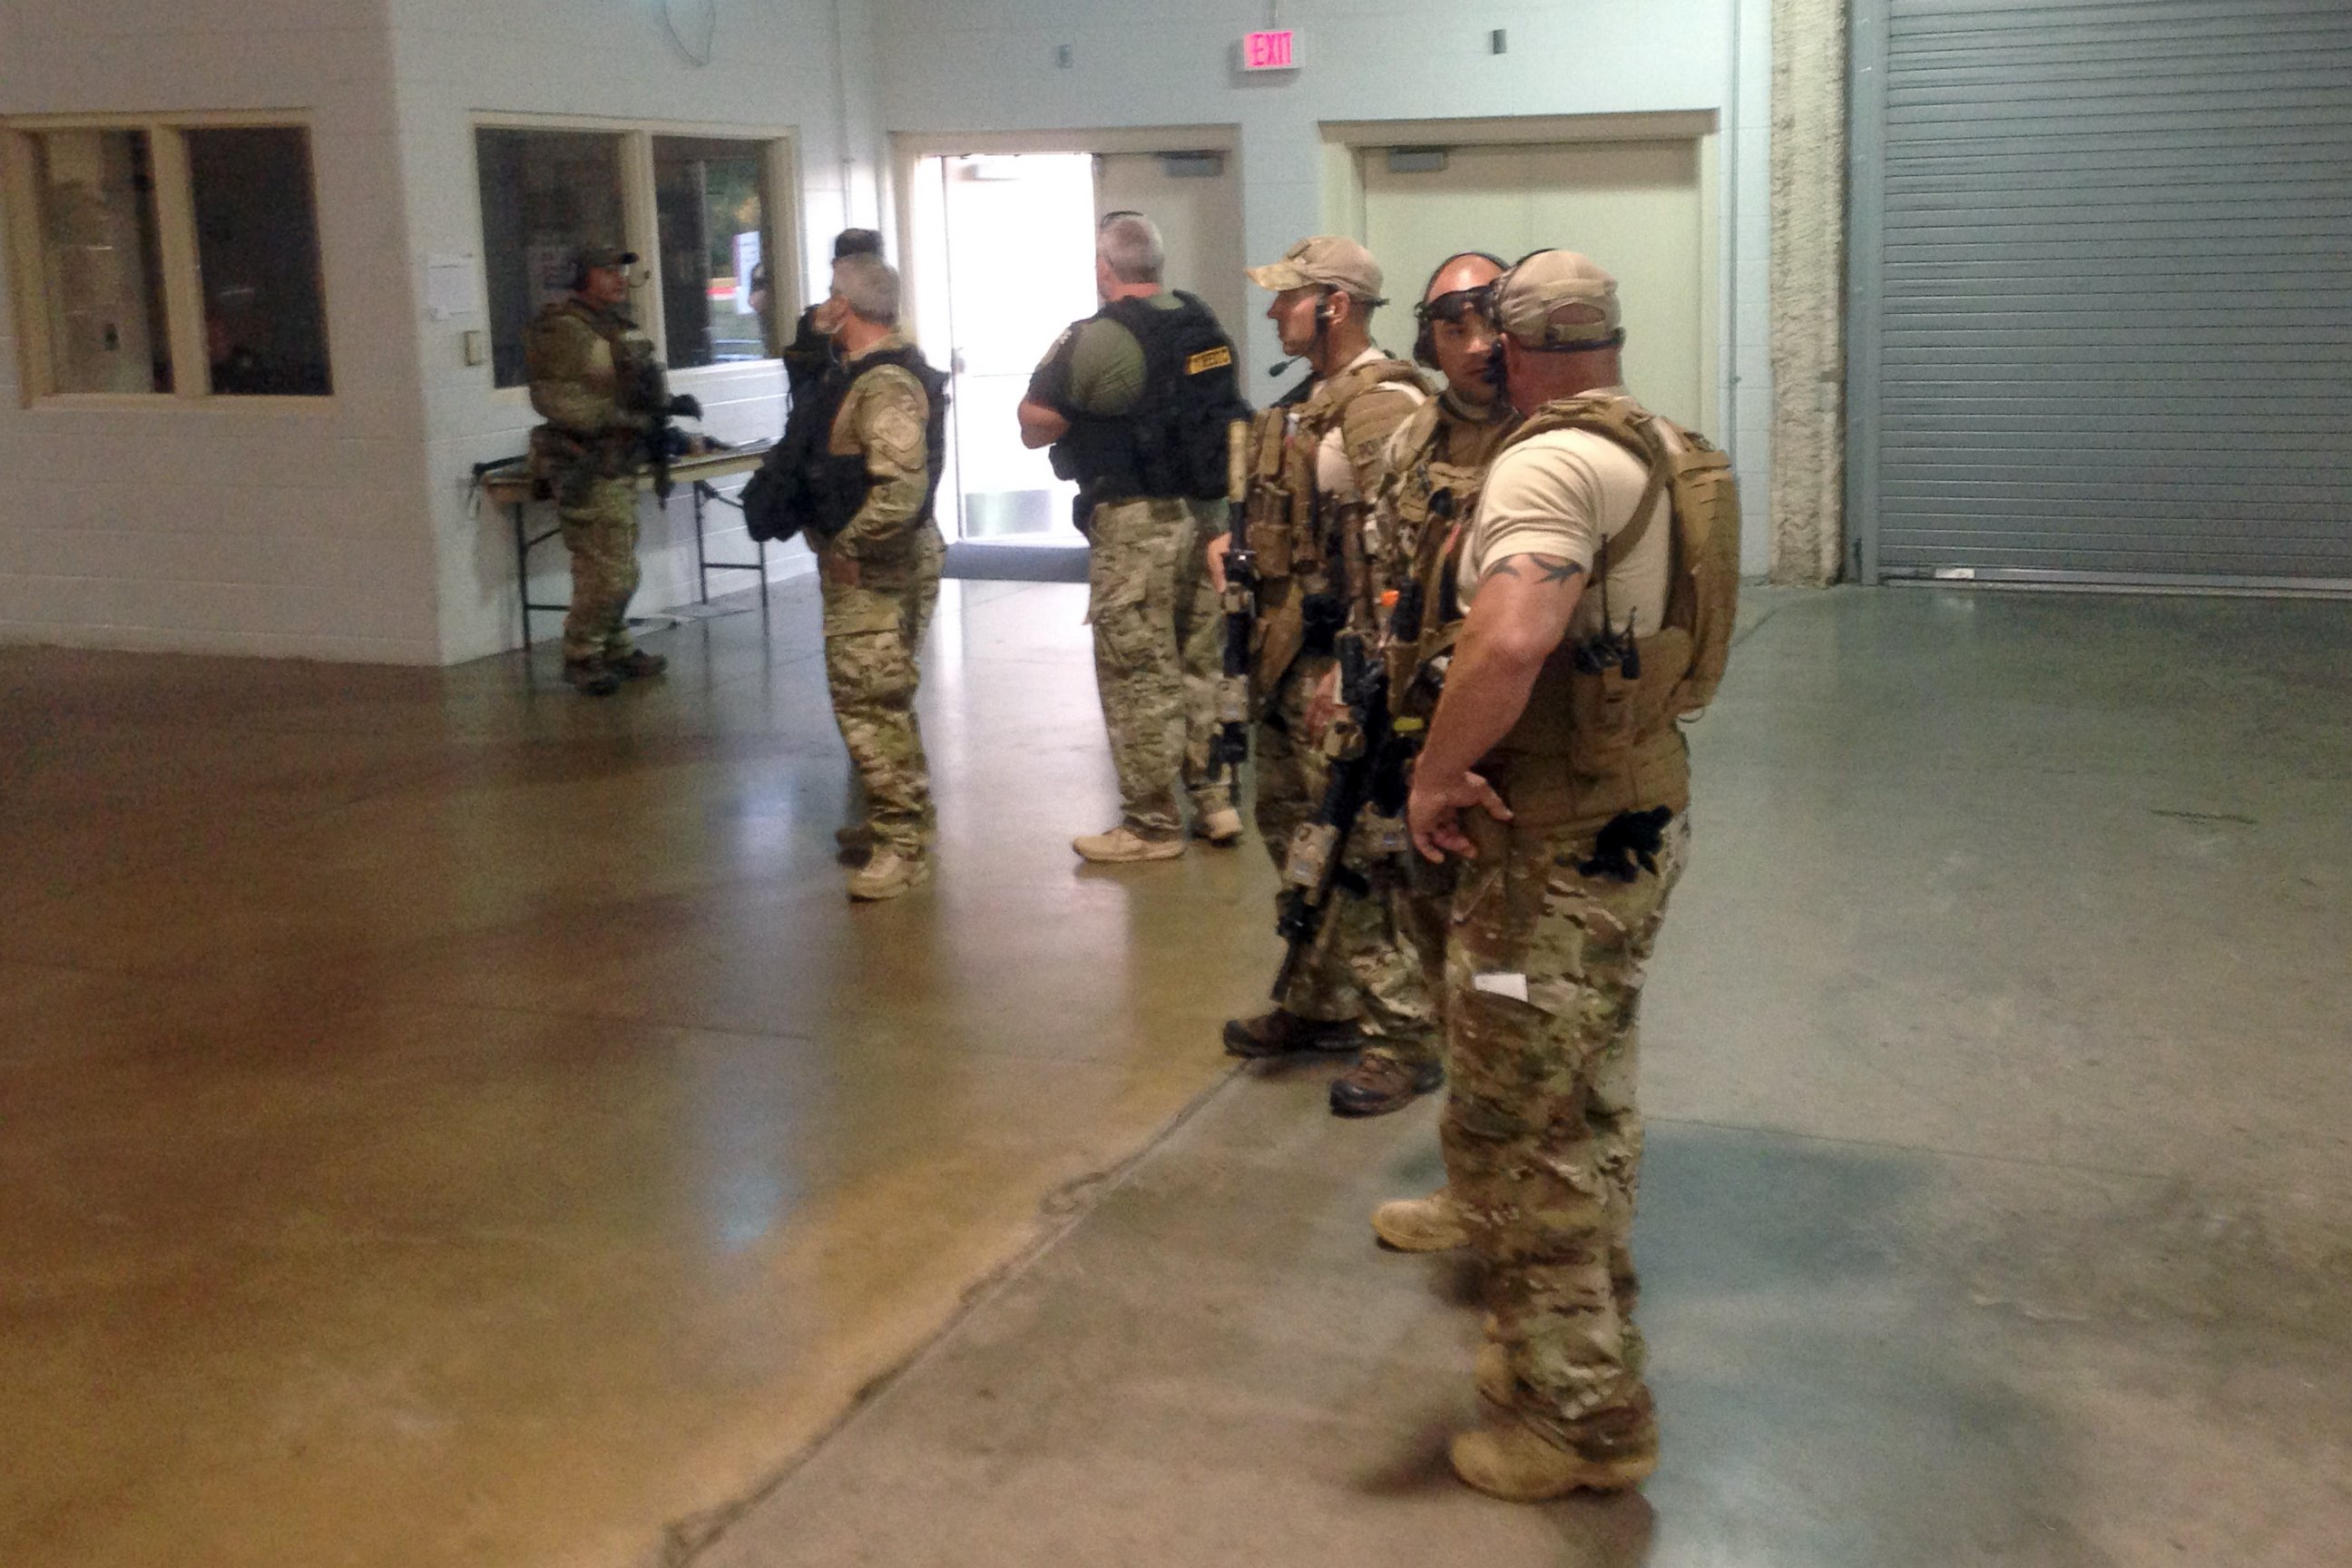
(445, 1121)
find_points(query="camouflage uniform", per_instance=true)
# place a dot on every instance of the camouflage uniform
(874, 629)
(1157, 655)
(1391, 938)
(1355, 970)
(591, 372)
(1543, 1131)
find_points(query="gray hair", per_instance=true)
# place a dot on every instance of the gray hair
(870, 285)
(1128, 244)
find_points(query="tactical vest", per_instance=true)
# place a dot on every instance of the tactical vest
(1174, 443)
(1436, 485)
(638, 386)
(822, 489)
(1294, 532)
(1594, 744)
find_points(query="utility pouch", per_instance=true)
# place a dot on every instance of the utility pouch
(1379, 837)
(1602, 719)
(1269, 532)
(1311, 846)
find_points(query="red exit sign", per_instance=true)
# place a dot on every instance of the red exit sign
(1277, 51)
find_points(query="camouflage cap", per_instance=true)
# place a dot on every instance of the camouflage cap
(592, 257)
(1557, 299)
(1326, 261)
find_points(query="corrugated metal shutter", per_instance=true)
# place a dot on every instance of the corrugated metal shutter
(2103, 290)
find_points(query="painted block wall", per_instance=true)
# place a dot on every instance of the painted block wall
(990, 64)
(218, 528)
(773, 66)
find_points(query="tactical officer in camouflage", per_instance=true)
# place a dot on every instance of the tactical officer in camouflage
(869, 439)
(1136, 402)
(1313, 463)
(1391, 934)
(595, 380)
(1599, 577)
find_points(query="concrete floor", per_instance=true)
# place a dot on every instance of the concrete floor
(445, 1122)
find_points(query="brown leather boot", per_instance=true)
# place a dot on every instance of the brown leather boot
(591, 677)
(1379, 1083)
(1280, 1033)
(636, 664)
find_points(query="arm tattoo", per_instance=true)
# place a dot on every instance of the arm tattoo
(1548, 569)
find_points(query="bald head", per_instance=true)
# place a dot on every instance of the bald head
(1462, 272)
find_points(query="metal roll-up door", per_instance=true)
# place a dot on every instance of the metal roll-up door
(2102, 291)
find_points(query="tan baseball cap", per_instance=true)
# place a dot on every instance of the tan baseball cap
(1326, 261)
(1530, 300)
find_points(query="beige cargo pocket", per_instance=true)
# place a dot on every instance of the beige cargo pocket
(850, 611)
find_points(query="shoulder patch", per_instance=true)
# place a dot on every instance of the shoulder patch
(890, 418)
(1209, 359)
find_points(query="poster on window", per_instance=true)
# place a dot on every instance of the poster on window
(549, 272)
(747, 261)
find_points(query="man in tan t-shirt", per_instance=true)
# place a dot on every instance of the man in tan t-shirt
(1549, 767)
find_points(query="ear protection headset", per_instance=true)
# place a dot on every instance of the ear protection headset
(1424, 344)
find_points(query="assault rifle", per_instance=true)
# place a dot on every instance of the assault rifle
(1229, 748)
(1367, 774)
(664, 441)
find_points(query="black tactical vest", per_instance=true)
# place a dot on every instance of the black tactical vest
(1174, 443)
(821, 491)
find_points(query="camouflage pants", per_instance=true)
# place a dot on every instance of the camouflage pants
(600, 530)
(1394, 951)
(873, 633)
(1200, 633)
(1543, 1131)
(1365, 963)
(1156, 657)
(1291, 780)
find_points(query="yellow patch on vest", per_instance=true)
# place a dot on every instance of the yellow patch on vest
(1209, 359)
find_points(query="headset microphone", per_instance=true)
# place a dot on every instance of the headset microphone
(1280, 366)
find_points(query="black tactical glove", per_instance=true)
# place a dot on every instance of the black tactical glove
(1629, 836)
(686, 406)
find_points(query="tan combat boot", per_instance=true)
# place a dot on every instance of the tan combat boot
(1222, 827)
(888, 873)
(1491, 1371)
(1123, 844)
(1512, 1461)
(1434, 1224)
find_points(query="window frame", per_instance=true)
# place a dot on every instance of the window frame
(178, 259)
(779, 231)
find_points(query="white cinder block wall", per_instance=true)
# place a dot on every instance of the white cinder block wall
(773, 66)
(214, 527)
(988, 65)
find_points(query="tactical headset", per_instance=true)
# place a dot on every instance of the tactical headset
(1430, 312)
